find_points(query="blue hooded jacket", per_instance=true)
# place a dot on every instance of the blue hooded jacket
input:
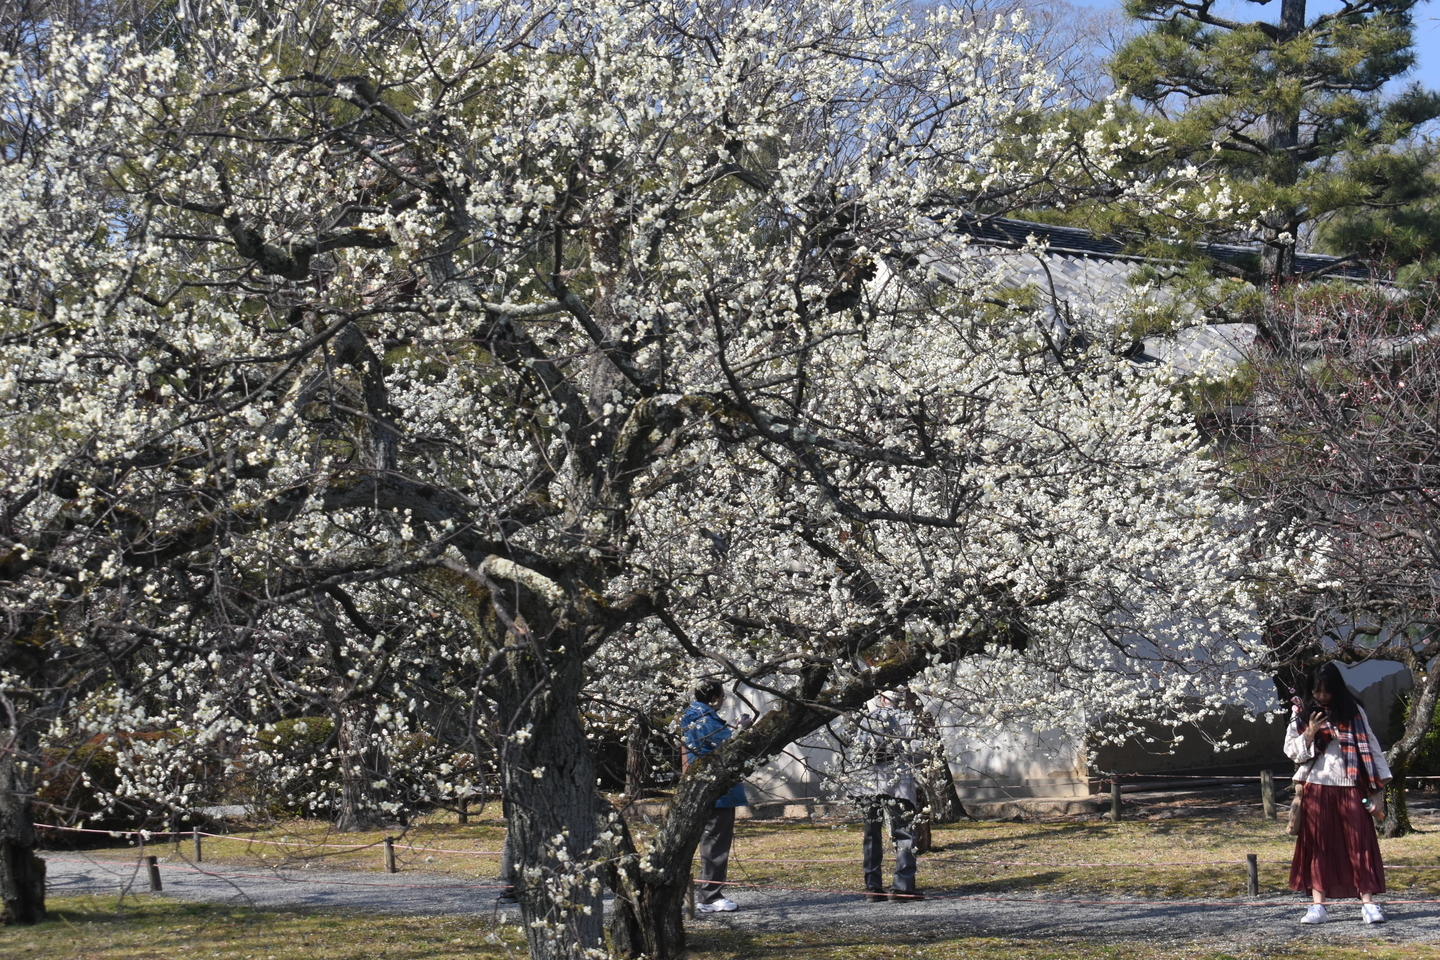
(704, 731)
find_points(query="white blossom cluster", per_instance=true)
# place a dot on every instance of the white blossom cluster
(397, 374)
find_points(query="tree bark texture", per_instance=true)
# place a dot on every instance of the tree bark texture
(1418, 719)
(941, 796)
(549, 783)
(358, 808)
(547, 770)
(22, 874)
(1397, 814)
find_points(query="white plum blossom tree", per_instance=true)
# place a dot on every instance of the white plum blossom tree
(371, 361)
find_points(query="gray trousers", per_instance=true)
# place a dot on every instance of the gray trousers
(507, 862)
(715, 854)
(901, 814)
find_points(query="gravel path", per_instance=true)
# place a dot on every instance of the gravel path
(1264, 919)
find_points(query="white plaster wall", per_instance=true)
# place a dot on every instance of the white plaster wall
(1013, 762)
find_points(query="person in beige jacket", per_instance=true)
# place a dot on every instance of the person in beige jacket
(1341, 782)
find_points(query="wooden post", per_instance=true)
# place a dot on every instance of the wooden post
(154, 868)
(1267, 794)
(690, 900)
(390, 855)
(1115, 800)
(195, 836)
(1252, 875)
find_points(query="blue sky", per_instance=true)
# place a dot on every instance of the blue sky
(1427, 41)
(1426, 15)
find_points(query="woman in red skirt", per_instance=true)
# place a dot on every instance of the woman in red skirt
(1342, 773)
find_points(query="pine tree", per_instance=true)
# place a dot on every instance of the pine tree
(1402, 227)
(1292, 111)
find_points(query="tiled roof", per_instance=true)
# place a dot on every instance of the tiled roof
(1079, 242)
(1213, 348)
(1081, 273)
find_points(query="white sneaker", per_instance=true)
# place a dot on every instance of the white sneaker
(717, 906)
(1316, 914)
(1371, 913)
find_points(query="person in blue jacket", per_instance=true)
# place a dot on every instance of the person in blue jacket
(704, 730)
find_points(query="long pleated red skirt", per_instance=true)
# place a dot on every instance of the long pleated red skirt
(1336, 852)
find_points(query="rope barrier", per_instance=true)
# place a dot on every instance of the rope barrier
(1111, 778)
(312, 880)
(335, 846)
(1151, 863)
(1120, 777)
(114, 833)
(1081, 863)
(1014, 899)
(965, 897)
(287, 843)
(1115, 780)
(464, 853)
(151, 835)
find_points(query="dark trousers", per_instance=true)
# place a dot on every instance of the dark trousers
(507, 862)
(715, 854)
(901, 814)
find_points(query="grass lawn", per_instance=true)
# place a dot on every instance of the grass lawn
(715, 946)
(152, 928)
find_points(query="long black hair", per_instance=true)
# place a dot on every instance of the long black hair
(1342, 708)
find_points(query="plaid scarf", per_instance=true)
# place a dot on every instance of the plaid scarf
(1354, 750)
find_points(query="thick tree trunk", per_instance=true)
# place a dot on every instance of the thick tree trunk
(548, 777)
(359, 809)
(1418, 719)
(1397, 814)
(941, 796)
(936, 779)
(547, 772)
(22, 874)
(647, 915)
(1278, 238)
